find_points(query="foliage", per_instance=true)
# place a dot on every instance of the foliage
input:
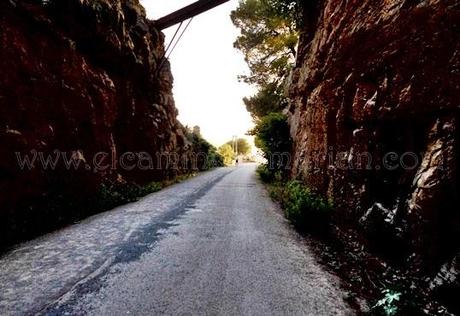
(226, 151)
(244, 147)
(388, 305)
(112, 195)
(268, 38)
(268, 42)
(265, 174)
(214, 159)
(304, 208)
(269, 35)
(152, 187)
(270, 176)
(207, 155)
(270, 98)
(273, 138)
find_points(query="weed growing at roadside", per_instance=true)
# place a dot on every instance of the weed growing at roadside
(110, 196)
(306, 209)
(388, 305)
(265, 174)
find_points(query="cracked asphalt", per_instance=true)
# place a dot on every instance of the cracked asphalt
(212, 245)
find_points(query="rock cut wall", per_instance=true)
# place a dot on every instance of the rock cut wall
(78, 78)
(375, 119)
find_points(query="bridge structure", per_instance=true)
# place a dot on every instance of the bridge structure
(187, 12)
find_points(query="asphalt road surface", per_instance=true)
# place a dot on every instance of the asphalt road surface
(213, 245)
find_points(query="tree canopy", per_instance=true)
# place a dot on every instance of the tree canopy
(268, 39)
(270, 98)
(207, 155)
(273, 138)
(226, 151)
(244, 147)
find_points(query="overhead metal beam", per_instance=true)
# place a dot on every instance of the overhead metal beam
(187, 12)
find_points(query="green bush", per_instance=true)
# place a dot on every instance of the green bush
(113, 195)
(208, 157)
(265, 174)
(214, 159)
(152, 187)
(227, 153)
(110, 196)
(272, 136)
(304, 208)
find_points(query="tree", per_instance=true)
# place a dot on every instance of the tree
(268, 39)
(244, 147)
(273, 138)
(226, 151)
(206, 154)
(268, 99)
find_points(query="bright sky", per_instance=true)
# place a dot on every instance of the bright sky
(205, 67)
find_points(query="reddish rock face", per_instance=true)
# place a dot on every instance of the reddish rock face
(375, 118)
(78, 77)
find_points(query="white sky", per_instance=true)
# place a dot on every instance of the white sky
(205, 67)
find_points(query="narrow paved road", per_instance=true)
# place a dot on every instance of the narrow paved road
(215, 244)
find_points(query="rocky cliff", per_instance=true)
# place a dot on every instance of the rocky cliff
(83, 82)
(375, 121)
